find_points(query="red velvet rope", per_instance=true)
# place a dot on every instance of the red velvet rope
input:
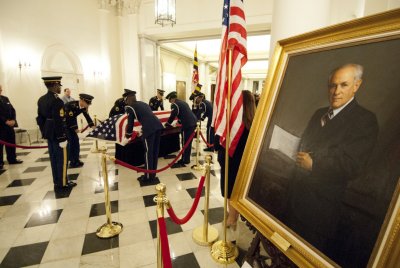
(124, 164)
(166, 256)
(21, 146)
(208, 144)
(83, 130)
(189, 215)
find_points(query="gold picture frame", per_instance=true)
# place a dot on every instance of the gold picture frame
(368, 218)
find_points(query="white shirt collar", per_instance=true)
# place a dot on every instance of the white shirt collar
(337, 110)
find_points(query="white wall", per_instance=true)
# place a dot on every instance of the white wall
(29, 28)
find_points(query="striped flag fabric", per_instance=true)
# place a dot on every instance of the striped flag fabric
(195, 76)
(234, 37)
(114, 128)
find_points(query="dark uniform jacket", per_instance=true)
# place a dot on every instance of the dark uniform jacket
(156, 103)
(206, 111)
(182, 110)
(51, 117)
(7, 111)
(118, 108)
(142, 112)
(72, 110)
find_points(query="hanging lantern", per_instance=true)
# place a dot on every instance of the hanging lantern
(165, 12)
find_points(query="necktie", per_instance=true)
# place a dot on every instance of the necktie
(326, 117)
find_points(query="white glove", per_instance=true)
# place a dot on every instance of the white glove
(125, 141)
(63, 144)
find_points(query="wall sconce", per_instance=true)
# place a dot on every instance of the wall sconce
(165, 12)
(23, 65)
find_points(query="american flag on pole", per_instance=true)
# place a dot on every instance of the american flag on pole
(114, 128)
(234, 36)
(195, 76)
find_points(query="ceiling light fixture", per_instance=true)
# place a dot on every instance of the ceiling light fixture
(165, 12)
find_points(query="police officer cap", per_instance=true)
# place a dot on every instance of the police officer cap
(160, 91)
(171, 95)
(49, 80)
(128, 92)
(86, 97)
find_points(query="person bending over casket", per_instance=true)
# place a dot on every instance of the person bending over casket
(151, 131)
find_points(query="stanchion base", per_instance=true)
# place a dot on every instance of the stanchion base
(109, 230)
(96, 151)
(198, 167)
(224, 252)
(198, 236)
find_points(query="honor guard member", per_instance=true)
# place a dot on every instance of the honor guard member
(157, 101)
(119, 105)
(72, 110)
(151, 132)
(51, 121)
(206, 111)
(188, 120)
(7, 134)
(193, 97)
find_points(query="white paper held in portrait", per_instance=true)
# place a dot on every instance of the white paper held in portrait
(284, 142)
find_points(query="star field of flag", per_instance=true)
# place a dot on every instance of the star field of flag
(106, 130)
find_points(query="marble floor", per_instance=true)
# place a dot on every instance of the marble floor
(40, 228)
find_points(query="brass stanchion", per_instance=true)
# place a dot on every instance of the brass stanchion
(198, 166)
(161, 199)
(205, 235)
(96, 143)
(223, 251)
(110, 228)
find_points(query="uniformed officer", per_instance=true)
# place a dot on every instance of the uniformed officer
(151, 131)
(206, 111)
(72, 110)
(51, 121)
(195, 105)
(7, 134)
(157, 101)
(188, 120)
(119, 105)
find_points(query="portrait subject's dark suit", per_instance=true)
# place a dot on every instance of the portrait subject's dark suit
(340, 150)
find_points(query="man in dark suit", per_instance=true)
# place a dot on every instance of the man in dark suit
(7, 134)
(157, 101)
(206, 111)
(51, 121)
(188, 120)
(151, 132)
(334, 149)
(119, 105)
(72, 110)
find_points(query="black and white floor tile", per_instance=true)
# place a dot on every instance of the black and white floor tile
(43, 228)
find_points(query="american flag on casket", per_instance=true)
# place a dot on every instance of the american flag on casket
(113, 128)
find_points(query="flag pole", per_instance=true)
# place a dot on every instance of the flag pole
(224, 251)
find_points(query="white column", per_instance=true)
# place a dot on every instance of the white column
(150, 64)
(293, 17)
(130, 57)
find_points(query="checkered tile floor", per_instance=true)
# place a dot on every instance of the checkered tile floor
(40, 228)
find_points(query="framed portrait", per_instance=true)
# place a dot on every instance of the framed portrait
(319, 177)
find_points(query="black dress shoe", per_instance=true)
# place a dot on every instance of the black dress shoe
(76, 165)
(71, 184)
(15, 162)
(210, 149)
